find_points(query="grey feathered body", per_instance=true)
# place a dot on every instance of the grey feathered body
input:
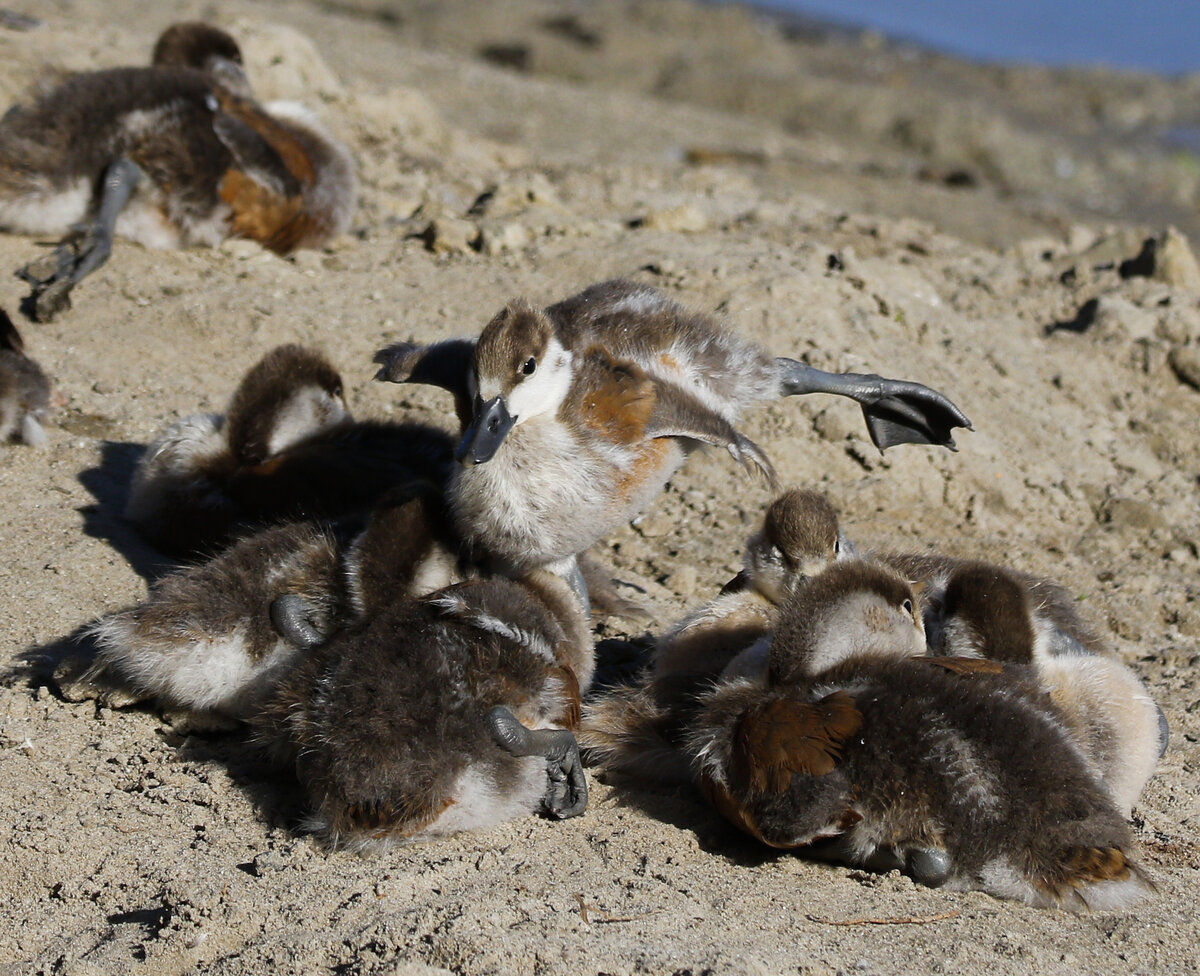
(385, 724)
(565, 479)
(203, 639)
(975, 765)
(54, 152)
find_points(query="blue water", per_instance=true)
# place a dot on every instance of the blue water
(1162, 36)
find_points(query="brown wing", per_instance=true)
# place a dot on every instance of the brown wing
(264, 188)
(785, 737)
(965, 665)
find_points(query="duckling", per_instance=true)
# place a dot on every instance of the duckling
(171, 155)
(858, 746)
(1060, 628)
(989, 612)
(608, 391)
(636, 727)
(204, 642)
(24, 389)
(286, 448)
(439, 715)
(213, 636)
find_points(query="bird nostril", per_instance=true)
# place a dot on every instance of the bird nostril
(493, 424)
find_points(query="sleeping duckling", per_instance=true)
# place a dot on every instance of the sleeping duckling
(24, 389)
(989, 612)
(875, 756)
(287, 448)
(439, 715)
(170, 155)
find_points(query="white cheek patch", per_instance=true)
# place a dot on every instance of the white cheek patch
(311, 410)
(545, 390)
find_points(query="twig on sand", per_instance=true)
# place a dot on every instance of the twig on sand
(603, 916)
(902, 920)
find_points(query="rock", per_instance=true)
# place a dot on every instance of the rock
(1130, 513)
(500, 237)
(684, 219)
(1185, 361)
(448, 235)
(1176, 264)
(284, 64)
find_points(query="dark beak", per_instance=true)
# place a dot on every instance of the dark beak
(491, 423)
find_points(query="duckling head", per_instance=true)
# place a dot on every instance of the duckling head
(851, 609)
(799, 538)
(195, 44)
(289, 395)
(985, 613)
(520, 371)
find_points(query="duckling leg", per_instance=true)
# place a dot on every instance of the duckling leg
(896, 411)
(83, 251)
(566, 794)
(292, 618)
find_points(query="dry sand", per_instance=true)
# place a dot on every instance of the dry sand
(804, 187)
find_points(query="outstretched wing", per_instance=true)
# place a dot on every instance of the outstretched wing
(677, 413)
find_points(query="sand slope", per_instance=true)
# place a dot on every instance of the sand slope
(126, 847)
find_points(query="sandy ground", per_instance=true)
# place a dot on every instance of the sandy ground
(127, 847)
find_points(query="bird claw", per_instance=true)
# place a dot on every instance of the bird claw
(566, 786)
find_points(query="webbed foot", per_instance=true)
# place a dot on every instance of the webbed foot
(896, 411)
(82, 251)
(292, 617)
(566, 790)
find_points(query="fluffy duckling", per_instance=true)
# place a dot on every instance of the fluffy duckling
(635, 728)
(24, 389)
(170, 155)
(286, 448)
(204, 641)
(868, 751)
(439, 715)
(989, 612)
(576, 415)
(213, 637)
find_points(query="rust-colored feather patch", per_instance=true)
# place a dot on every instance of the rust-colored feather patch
(1084, 865)
(784, 737)
(620, 407)
(573, 705)
(966, 665)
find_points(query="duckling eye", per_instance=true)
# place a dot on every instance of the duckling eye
(837, 547)
(908, 607)
(529, 367)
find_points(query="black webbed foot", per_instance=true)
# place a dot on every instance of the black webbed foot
(566, 789)
(292, 617)
(82, 251)
(896, 411)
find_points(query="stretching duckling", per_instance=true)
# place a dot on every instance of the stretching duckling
(988, 612)
(286, 448)
(439, 715)
(24, 389)
(576, 415)
(170, 155)
(636, 727)
(859, 747)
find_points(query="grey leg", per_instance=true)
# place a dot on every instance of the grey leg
(896, 411)
(81, 253)
(566, 791)
(292, 617)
